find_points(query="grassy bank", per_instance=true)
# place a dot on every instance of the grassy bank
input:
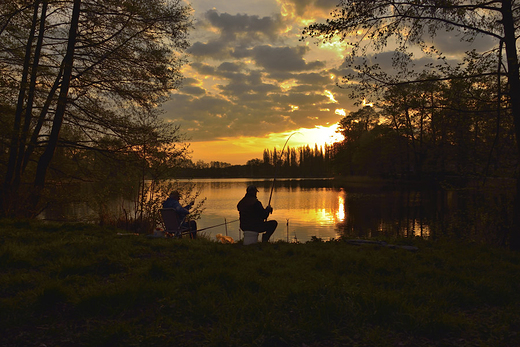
(78, 285)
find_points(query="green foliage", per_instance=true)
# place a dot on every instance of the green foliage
(80, 94)
(430, 128)
(84, 285)
(444, 117)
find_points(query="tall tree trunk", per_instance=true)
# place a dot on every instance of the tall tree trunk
(46, 157)
(9, 192)
(30, 100)
(514, 96)
(41, 119)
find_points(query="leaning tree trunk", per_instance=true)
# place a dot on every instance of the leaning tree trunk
(9, 190)
(30, 100)
(46, 157)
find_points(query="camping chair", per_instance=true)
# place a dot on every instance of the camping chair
(172, 224)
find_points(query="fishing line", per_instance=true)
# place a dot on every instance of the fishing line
(272, 187)
(214, 226)
(276, 166)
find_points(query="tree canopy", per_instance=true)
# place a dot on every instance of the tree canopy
(402, 27)
(98, 68)
(407, 29)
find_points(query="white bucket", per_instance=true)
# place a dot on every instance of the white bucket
(250, 237)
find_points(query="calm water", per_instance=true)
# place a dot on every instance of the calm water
(306, 208)
(319, 208)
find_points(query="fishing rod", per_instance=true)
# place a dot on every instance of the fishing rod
(217, 225)
(275, 166)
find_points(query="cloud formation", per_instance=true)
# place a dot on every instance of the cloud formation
(250, 75)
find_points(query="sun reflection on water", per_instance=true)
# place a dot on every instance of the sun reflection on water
(304, 210)
(340, 213)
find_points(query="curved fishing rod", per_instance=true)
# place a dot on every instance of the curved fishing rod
(275, 166)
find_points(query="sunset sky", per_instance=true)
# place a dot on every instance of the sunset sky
(251, 82)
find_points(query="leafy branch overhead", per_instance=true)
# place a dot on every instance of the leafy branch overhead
(98, 69)
(371, 27)
(412, 32)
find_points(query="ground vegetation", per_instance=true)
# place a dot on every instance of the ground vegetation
(83, 285)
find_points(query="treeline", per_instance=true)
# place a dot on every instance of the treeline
(458, 127)
(429, 129)
(303, 161)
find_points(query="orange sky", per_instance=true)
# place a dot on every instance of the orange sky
(251, 81)
(240, 150)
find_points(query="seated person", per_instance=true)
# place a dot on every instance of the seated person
(253, 215)
(173, 202)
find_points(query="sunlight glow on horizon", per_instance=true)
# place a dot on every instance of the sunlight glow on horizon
(239, 150)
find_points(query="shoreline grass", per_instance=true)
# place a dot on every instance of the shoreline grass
(82, 285)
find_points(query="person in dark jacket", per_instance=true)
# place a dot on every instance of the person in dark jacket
(253, 216)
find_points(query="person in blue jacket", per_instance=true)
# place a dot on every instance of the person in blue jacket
(173, 202)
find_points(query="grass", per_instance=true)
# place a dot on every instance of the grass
(82, 285)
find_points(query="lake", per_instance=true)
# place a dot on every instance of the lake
(325, 209)
(307, 208)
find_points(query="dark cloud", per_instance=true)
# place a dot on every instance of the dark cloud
(203, 69)
(241, 52)
(191, 86)
(190, 81)
(240, 36)
(281, 58)
(232, 26)
(250, 86)
(213, 49)
(386, 62)
(235, 32)
(281, 76)
(454, 43)
(226, 70)
(313, 78)
(303, 5)
(193, 90)
(304, 88)
(238, 89)
(230, 67)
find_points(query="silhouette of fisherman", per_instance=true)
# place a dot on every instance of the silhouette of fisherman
(173, 202)
(253, 216)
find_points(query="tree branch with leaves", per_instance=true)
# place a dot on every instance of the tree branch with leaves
(98, 66)
(370, 27)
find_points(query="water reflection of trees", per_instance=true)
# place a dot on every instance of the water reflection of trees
(476, 214)
(300, 183)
